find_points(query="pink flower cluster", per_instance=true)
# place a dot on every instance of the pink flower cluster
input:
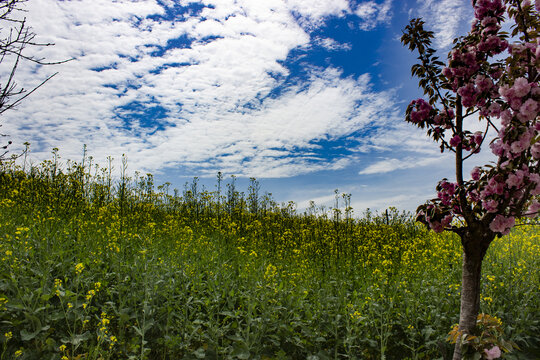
(519, 124)
(504, 191)
(470, 142)
(421, 111)
(436, 221)
(534, 208)
(494, 352)
(525, 108)
(446, 192)
(444, 118)
(463, 64)
(488, 8)
(502, 224)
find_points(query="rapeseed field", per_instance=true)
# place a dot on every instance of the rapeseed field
(97, 268)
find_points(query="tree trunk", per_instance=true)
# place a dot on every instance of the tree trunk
(474, 250)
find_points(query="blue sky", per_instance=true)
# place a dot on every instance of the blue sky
(306, 96)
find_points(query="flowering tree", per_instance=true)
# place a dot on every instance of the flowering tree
(491, 77)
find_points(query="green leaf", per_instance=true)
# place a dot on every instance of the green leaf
(137, 330)
(241, 351)
(77, 339)
(26, 336)
(199, 353)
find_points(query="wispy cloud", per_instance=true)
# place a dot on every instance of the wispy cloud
(373, 13)
(388, 165)
(446, 17)
(331, 44)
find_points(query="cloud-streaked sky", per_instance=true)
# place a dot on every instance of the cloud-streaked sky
(307, 96)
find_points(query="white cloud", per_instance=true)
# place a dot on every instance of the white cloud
(446, 18)
(331, 44)
(206, 122)
(373, 13)
(313, 12)
(388, 165)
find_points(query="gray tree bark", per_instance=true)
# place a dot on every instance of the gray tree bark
(475, 245)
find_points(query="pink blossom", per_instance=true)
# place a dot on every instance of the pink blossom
(522, 144)
(475, 173)
(515, 102)
(474, 196)
(528, 110)
(487, 21)
(449, 187)
(447, 72)
(515, 180)
(512, 94)
(497, 147)
(420, 111)
(537, 5)
(455, 141)
(535, 149)
(506, 92)
(495, 109)
(469, 57)
(468, 95)
(493, 353)
(444, 197)
(506, 117)
(521, 87)
(535, 179)
(490, 206)
(484, 8)
(477, 138)
(534, 209)
(502, 224)
(439, 226)
(483, 83)
(493, 44)
(495, 186)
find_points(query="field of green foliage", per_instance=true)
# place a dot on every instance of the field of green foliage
(97, 268)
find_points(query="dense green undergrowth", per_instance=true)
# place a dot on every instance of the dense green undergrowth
(93, 268)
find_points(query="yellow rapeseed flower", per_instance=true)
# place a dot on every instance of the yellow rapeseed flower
(79, 268)
(356, 315)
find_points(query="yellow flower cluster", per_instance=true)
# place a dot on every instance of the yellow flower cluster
(57, 287)
(79, 268)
